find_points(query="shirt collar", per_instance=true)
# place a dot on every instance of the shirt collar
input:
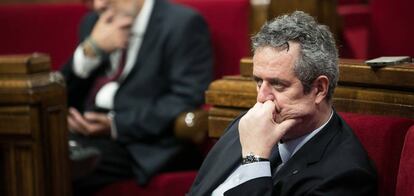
(289, 148)
(141, 21)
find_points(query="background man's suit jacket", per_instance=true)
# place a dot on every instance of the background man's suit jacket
(333, 162)
(171, 73)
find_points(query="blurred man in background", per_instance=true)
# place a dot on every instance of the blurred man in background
(139, 64)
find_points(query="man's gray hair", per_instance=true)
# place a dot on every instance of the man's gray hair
(318, 55)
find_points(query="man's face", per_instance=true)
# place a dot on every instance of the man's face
(276, 81)
(126, 7)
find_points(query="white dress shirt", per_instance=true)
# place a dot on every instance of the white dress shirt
(250, 171)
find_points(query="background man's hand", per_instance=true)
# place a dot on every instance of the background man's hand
(259, 132)
(89, 124)
(112, 31)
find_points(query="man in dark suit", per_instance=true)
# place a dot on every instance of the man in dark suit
(291, 142)
(139, 64)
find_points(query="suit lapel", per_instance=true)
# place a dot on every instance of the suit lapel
(150, 36)
(223, 159)
(310, 153)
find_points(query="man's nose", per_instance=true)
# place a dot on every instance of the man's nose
(265, 93)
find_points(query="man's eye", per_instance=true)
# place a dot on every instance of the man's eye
(278, 87)
(259, 83)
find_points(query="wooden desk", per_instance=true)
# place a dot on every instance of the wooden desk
(385, 91)
(33, 134)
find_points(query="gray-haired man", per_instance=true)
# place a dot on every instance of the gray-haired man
(291, 142)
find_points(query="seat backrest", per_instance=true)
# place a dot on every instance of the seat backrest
(228, 21)
(392, 28)
(45, 28)
(405, 180)
(383, 138)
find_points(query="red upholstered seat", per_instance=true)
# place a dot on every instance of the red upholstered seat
(383, 138)
(392, 28)
(46, 28)
(228, 21)
(376, 28)
(405, 179)
(355, 20)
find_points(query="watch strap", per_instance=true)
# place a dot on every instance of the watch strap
(251, 158)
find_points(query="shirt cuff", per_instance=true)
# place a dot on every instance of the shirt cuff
(82, 64)
(253, 170)
(114, 132)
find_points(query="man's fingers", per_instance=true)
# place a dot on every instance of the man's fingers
(95, 117)
(75, 126)
(72, 125)
(123, 21)
(74, 112)
(83, 125)
(286, 125)
(268, 106)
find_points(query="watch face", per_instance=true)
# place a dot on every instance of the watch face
(250, 159)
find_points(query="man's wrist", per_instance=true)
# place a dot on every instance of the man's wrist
(252, 158)
(91, 48)
(111, 116)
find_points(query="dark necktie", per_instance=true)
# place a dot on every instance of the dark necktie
(102, 80)
(275, 159)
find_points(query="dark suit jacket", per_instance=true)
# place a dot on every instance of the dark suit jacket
(173, 69)
(333, 162)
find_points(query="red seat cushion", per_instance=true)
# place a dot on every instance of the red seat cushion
(405, 180)
(165, 184)
(383, 139)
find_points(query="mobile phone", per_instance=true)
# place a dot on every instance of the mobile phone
(388, 60)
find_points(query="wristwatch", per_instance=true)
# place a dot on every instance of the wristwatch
(251, 158)
(91, 48)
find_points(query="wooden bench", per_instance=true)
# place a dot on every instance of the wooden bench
(33, 133)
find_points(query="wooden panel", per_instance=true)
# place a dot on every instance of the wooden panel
(26, 168)
(7, 180)
(24, 64)
(246, 67)
(219, 119)
(57, 144)
(323, 10)
(18, 120)
(33, 130)
(397, 77)
(258, 16)
(232, 92)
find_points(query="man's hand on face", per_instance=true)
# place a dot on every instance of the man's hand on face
(89, 124)
(112, 31)
(258, 130)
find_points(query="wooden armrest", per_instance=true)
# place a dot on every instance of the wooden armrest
(192, 126)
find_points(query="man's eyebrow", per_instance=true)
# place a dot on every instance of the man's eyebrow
(278, 81)
(256, 78)
(272, 81)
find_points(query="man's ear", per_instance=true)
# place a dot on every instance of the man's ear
(321, 85)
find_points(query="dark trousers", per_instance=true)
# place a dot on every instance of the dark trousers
(115, 164)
